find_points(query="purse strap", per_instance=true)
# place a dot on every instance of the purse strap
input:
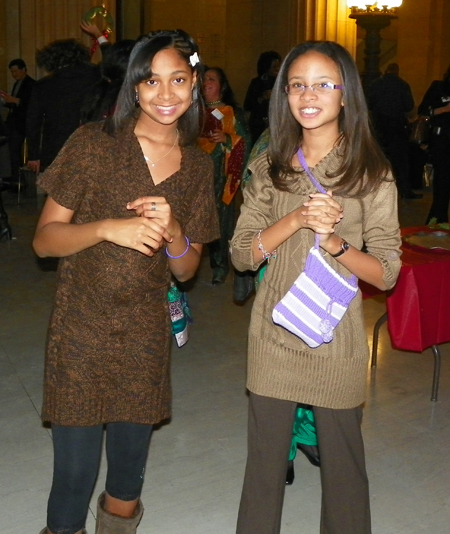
(302, 160)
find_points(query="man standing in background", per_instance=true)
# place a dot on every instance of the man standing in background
(17, 102)
(390, 99)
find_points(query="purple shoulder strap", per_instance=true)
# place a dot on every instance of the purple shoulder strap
(301, 159)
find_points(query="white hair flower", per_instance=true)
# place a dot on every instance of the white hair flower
(194, 59)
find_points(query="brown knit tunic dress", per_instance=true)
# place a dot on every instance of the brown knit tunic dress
(280, 365)
(108, 347)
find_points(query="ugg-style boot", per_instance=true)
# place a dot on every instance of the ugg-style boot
(114, 524)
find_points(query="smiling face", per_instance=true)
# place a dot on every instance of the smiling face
(316, 112)
(211, 87)
(167, 94)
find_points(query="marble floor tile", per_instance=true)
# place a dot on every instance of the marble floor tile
(196, 461)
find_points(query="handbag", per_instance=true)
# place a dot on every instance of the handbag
(319, 297)
(304, 434)
(420, 131)
(180, 314)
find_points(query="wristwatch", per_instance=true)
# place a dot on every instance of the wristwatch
(344, 247)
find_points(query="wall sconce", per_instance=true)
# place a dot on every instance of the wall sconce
(387, 6)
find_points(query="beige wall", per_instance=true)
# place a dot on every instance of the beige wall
(232, 33)
(328, 20)
(423, 43)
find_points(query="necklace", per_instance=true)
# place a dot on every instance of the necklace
(153, 163)
(214, 103)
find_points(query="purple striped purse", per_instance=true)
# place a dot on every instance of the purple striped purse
(319, 298)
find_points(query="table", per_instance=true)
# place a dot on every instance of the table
(419, 305)
(418, 308)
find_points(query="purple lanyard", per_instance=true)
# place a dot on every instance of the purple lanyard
(301, 159)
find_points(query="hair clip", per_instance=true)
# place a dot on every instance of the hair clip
(194, 59)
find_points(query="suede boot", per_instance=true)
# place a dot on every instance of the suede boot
(114, 524)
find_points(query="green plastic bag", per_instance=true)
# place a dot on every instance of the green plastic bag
(180, 314)
(304, 430)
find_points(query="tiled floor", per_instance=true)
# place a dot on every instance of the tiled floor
(196, 462)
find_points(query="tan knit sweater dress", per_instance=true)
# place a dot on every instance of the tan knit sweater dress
(109, 339)
(281, 365)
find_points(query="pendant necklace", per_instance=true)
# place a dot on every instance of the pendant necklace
(214, 103)
(153, 163)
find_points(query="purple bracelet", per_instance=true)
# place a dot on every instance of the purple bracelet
(188, 244)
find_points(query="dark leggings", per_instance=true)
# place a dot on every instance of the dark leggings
(77, 452)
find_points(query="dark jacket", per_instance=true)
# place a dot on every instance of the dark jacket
(390, 96)
(259, 110)
(54, 110)
(437, 96)
(17, 116)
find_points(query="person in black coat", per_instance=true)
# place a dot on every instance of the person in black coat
(436, 105)
(389, 99)
(55, 106)
(17, 102)
(259, 91)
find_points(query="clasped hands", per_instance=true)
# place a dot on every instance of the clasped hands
(321, 214)
(153, 227)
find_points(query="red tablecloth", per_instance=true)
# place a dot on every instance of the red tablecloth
(419, 305)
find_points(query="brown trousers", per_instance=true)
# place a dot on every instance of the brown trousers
(345, 488)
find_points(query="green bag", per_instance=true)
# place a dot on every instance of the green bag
(304, 430)
(180, 314)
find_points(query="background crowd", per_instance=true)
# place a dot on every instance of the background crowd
(38, 117)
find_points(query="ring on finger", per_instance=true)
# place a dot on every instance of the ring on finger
(153, 206)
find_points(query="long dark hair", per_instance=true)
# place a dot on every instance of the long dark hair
(226, 93)
(100, 102)
(139, 69)
(364, 165)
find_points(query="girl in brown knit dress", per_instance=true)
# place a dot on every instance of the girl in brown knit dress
(317, 106)
(130, 203)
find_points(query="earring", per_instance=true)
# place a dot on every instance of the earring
(136, 99)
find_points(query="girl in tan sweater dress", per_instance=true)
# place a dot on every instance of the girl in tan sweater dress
(317, 105)
(130, 203)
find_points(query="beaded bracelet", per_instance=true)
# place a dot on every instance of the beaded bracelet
(188, 244)
(266, 255)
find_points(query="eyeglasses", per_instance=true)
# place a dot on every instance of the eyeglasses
(321, 88)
